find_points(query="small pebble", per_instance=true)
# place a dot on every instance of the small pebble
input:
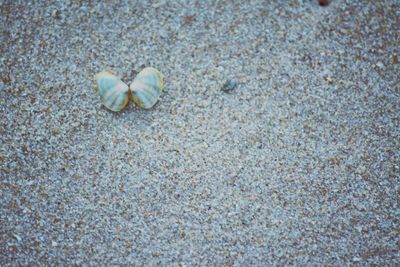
(395, 59)
(57, 15)
(229, 86)
(17, 237)
(380, 65)
(323, 2)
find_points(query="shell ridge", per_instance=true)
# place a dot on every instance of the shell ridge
(145, 90)
(114, 93)
(145, 99)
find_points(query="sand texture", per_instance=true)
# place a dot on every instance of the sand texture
(275, 142)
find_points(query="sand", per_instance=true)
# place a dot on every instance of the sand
(275, 142)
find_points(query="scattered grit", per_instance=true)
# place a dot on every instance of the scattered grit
(297, 163)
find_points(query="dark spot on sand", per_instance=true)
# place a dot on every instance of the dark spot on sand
(324, 2)
(229, 86)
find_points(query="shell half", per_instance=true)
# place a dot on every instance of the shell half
(146, 88)
(114, 93)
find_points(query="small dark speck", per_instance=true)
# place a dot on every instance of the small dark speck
(189, 19)
(6, 79)
(57, 15)
(323, 2)
(229, 86)
(134, 73)
(395, 59)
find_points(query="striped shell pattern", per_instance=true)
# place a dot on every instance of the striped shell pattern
(114, 93)
(145, 89)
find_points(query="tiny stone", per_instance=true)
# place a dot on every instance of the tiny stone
(395, 59)
(17, 237)
(329, 79)
(380, 65)
(229, 86)
(163, 34)
(57, 15)
(323, 2)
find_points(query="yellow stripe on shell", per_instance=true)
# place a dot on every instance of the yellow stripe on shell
(146, 88)
(114, 94)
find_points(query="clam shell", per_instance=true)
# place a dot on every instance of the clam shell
(146, 88)
(114, 94)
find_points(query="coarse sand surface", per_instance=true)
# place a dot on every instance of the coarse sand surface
(275, 142)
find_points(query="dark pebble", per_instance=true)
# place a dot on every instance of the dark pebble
(229, 86)
(323, 2)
